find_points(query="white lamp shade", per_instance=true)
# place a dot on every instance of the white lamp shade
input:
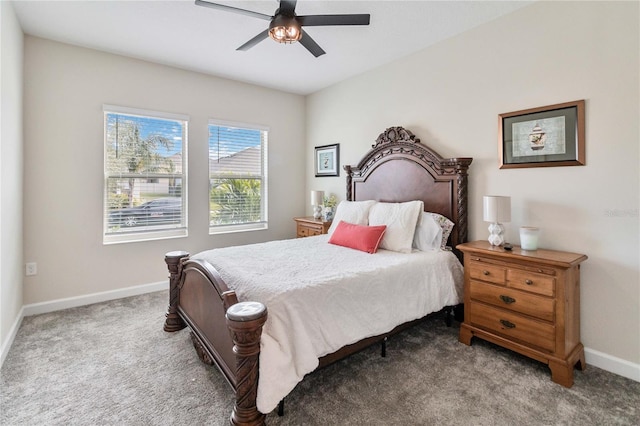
(496, 208)
(317, 198)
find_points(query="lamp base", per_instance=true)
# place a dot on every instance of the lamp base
(496, 231)
(317, 212)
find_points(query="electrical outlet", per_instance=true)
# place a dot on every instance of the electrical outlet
(31, 268)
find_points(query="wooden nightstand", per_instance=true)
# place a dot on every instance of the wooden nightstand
(308, 226)
(526, 301)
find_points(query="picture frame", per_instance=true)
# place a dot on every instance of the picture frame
(327, 160)
(547, 136)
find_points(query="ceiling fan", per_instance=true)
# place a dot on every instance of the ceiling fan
(286, 27)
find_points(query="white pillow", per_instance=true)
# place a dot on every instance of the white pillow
(355, 212)
(428, 234)
(400, 219)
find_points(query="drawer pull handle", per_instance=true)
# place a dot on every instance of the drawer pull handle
(507, 324)
(507, 299)
(528, 282)
(485, 272)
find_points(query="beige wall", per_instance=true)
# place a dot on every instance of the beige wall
(11, 53)
(65, 88)
(450, 96)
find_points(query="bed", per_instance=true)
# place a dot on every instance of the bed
(266, 330)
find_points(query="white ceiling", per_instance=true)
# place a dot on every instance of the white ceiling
(187, 36)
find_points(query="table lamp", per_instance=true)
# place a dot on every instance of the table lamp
(317, 199)
(496, 209)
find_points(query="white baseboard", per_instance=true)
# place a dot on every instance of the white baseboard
(72, 302)
(88, 299)
(6, 345)
(612, 364)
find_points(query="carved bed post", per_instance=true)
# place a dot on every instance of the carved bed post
(174, 263)
(245, 320)
(463, 195)
(349, 171)
(461, 168)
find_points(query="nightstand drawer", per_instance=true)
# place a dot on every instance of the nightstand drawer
(303, 231)
(518, 301)
(308, 231)
(530, 281)
(308, 226)
(511, 325)
(314, 231)
(485, 272)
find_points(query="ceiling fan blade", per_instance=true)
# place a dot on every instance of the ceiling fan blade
(257, 39)
(233, 9)
(311, 45)
(322, 20)
(288, 7)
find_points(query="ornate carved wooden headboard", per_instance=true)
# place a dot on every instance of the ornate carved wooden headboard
(399, 168)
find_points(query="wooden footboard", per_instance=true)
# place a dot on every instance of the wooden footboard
(224, 332)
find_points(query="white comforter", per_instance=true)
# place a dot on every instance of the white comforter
(321, 297)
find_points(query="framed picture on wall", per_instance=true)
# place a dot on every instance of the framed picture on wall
(327, 160)
(547, 136)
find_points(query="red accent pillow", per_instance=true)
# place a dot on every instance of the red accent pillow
(359, 237)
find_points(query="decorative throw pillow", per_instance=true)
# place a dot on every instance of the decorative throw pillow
(359, 237)
(400, 219)
(356, 212)
(428, 234)
(446, 226)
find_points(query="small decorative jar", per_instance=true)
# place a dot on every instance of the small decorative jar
(529, 237)
(327, 214)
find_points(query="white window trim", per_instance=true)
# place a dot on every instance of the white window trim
(147, 235)
(144, 113)
(245, 227)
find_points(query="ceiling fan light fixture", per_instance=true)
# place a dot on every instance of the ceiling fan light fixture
(285, 29)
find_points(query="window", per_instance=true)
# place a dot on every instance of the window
(237, 177)
(145, 175)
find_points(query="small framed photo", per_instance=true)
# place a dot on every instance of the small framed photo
(328, 160)
(547, 136)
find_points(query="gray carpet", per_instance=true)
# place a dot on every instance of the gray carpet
(111, 364)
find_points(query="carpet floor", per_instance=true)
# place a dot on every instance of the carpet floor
(112, 364)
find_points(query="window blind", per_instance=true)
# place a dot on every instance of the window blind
(237, 178)
(145, 176)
